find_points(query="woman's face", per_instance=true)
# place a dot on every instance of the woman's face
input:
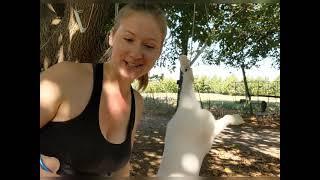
(136, 45)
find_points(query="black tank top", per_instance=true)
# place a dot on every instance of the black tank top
(79, 144)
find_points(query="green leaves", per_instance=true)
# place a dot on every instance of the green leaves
(229, 85)
(234, 34)
(248, 33)
(183, 30)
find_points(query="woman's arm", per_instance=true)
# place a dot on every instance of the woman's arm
(52, 164)
(50, 100)
(50, 93)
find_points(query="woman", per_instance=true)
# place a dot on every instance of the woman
(89, 112)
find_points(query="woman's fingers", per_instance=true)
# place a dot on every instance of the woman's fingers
(52, 165)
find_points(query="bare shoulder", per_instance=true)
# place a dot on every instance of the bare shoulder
(59, 84)
(64, 77)
(63, 73)
(65, 69)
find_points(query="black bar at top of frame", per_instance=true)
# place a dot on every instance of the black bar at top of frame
(171, 1)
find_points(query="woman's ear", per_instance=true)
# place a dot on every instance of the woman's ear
(110, 39)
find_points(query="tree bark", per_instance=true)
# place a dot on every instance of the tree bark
(60, 37)
(246, 88)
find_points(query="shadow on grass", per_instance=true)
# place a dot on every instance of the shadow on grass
(166, 106)
(241, 150)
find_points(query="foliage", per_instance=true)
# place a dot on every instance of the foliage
(162, 85)
(228, 86)
(234, 34)
(182, 31)
(245, 34)
(202, 84)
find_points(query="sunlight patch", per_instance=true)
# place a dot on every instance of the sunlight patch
(190, 163)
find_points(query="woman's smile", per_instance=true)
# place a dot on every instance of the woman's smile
(132, 65)
(132, 68)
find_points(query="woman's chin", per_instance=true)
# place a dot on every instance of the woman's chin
(132, 72)
(129, 75)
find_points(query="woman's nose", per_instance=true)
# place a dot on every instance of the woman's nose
(136, 52)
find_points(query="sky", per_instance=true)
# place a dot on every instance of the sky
(265, 71)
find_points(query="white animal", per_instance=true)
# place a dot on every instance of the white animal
(190, 132)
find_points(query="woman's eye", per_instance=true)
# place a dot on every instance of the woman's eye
(149, 46)
(128, 39)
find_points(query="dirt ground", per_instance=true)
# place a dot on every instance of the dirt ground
(251, 149)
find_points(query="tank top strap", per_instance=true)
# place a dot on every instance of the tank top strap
(97, 84)
(132, 113)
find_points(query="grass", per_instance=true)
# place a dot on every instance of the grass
(213, 96)
(165, 103)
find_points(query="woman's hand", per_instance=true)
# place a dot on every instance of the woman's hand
(52, 164)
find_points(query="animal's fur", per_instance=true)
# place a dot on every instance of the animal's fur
(190, 132)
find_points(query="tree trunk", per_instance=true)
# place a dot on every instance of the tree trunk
(60, 36)
(246, 88)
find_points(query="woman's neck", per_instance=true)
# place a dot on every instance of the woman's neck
(113, 83)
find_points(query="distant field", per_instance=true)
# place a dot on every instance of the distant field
(165, 103)
(212, 97)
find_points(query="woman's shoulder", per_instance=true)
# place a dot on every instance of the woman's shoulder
(67, 67)
(66, 75)
(66, 70)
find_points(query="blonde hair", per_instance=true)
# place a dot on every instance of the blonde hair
(125, 11)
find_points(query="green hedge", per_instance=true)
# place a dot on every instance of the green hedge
(229, 86)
